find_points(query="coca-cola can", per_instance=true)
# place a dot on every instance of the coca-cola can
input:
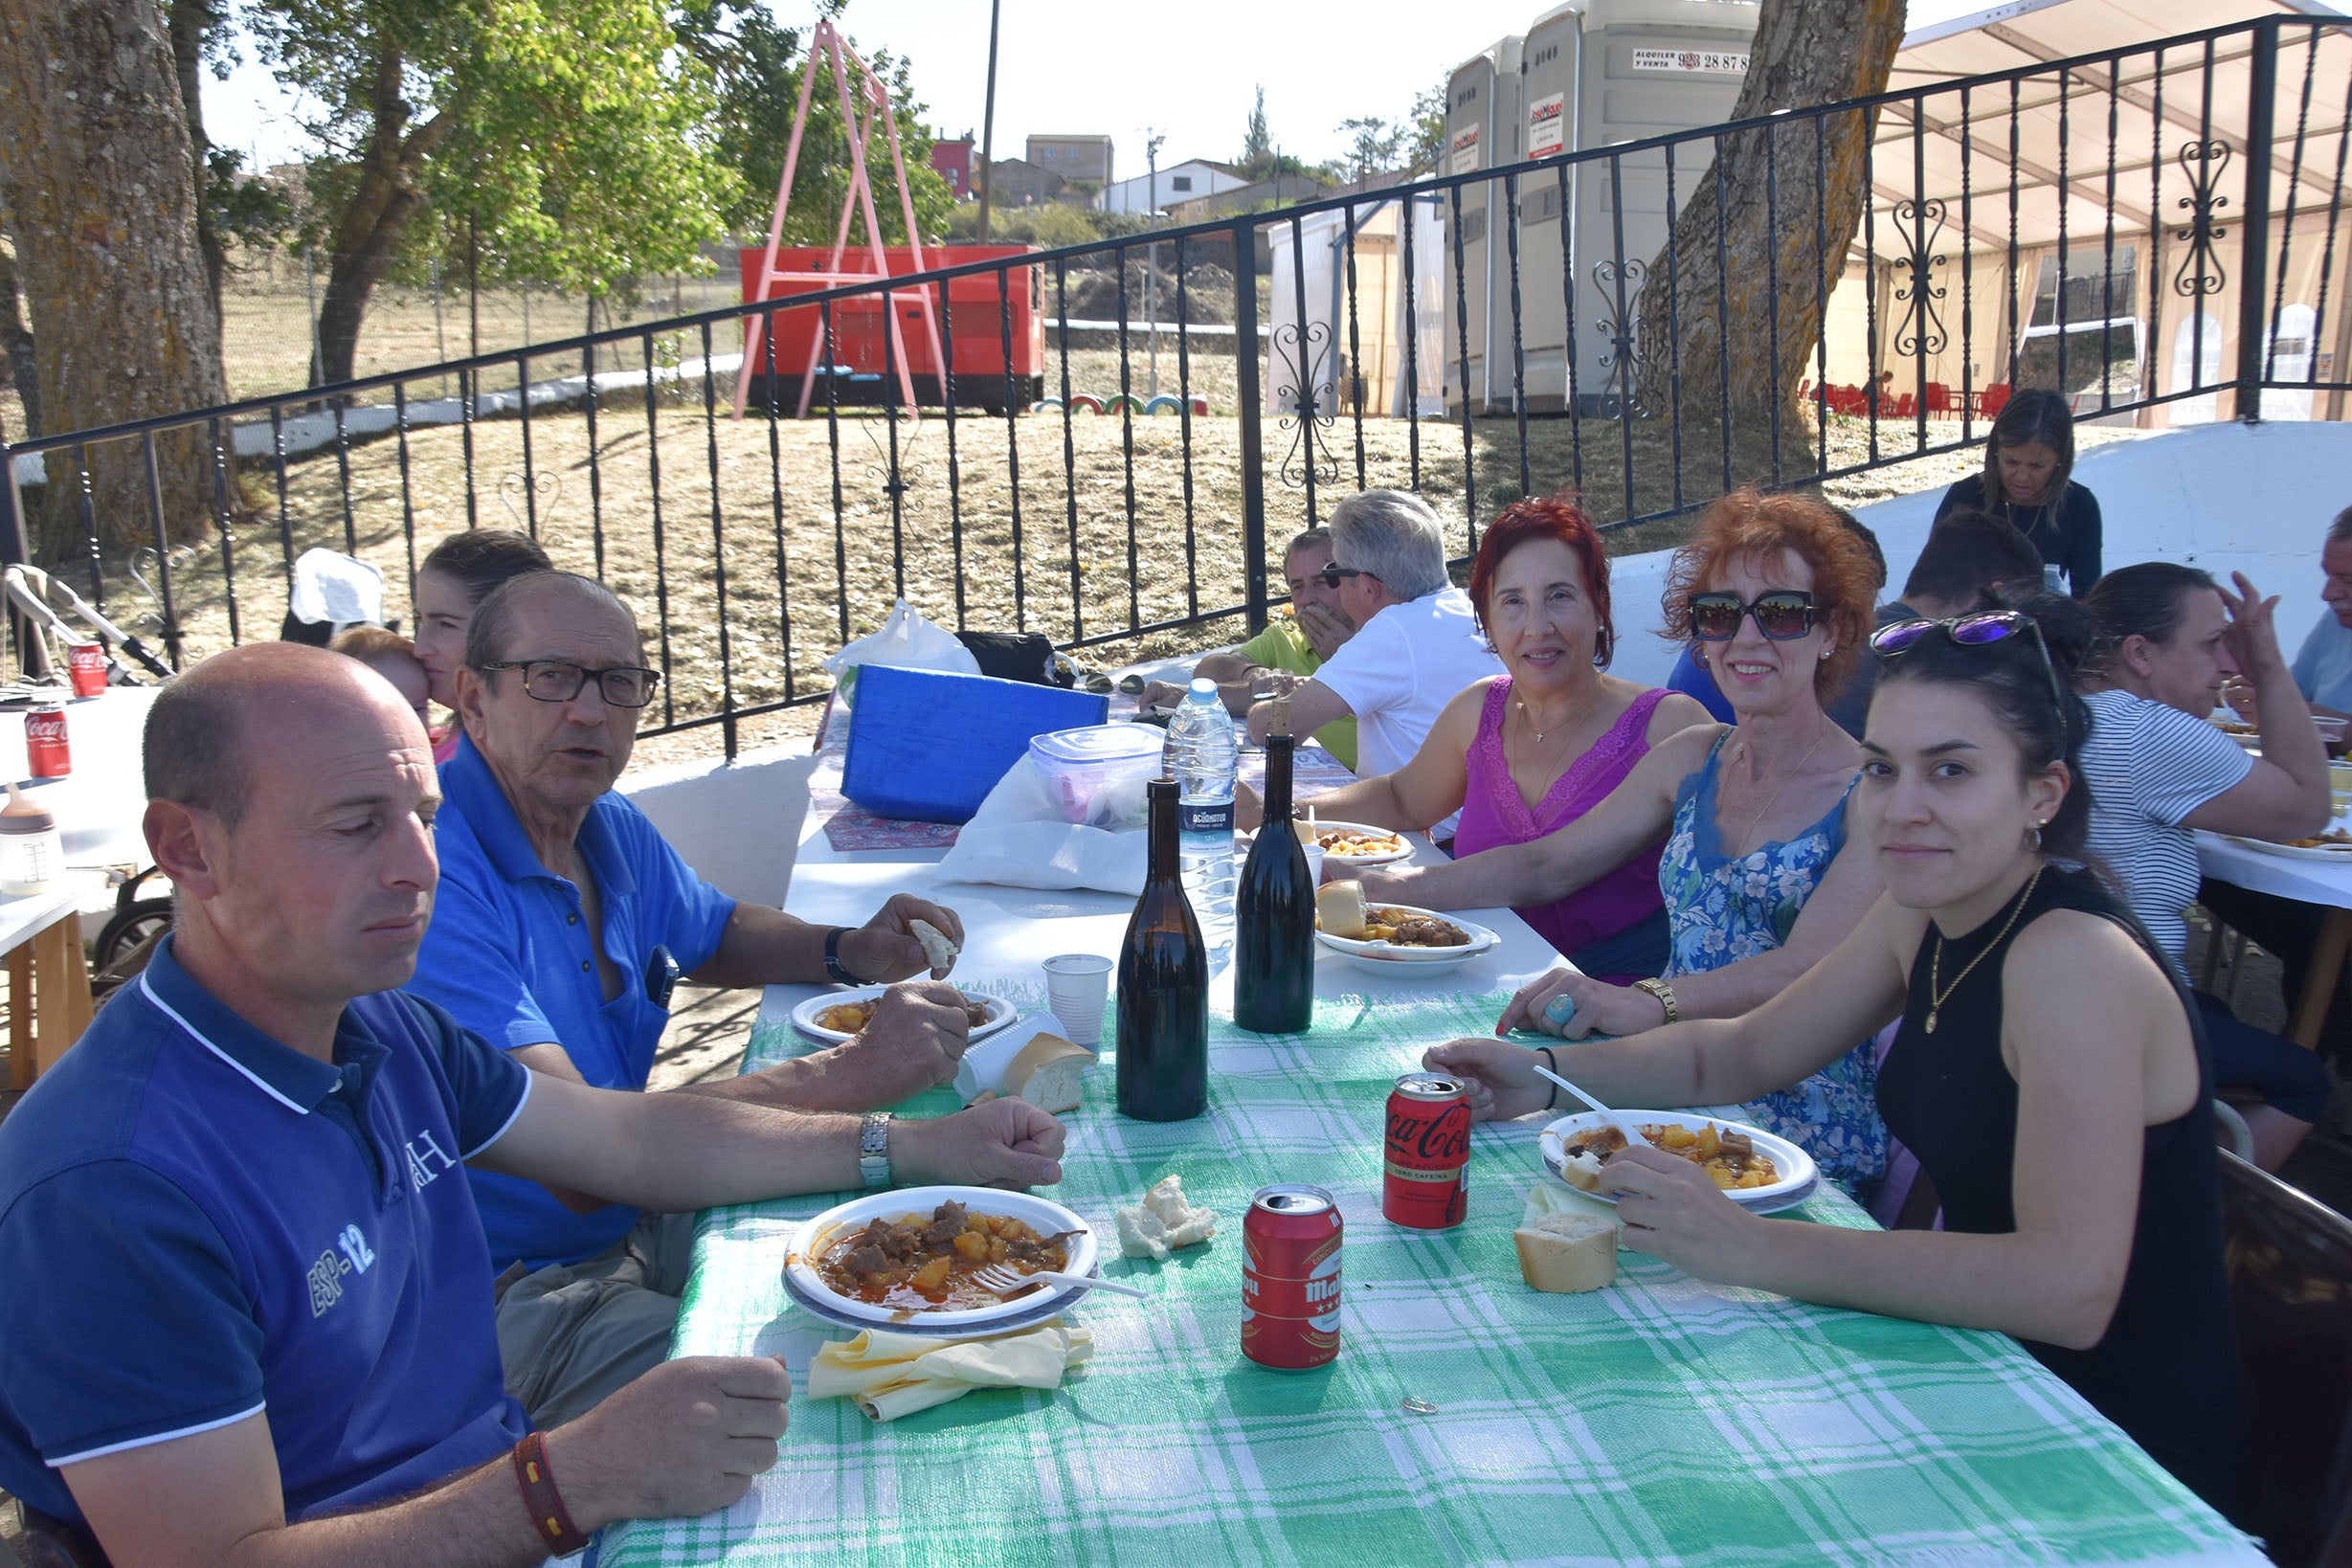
(46, 747)
(1427, 1152)
(87, 660)
(1291, 1278)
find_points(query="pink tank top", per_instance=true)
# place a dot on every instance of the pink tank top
(1493, 815)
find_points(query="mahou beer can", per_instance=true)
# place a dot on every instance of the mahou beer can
(45, 745)
(1291, 1278)
(87, 662)
(1427, 1152)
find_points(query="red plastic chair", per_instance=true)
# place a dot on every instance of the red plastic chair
(1905, 406)
(1939, 399)
(1993, 398)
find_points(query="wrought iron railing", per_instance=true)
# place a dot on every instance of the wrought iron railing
(1462, 336)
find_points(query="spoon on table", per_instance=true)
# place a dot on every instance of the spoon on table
(1634, 1136)
(1006, 1281)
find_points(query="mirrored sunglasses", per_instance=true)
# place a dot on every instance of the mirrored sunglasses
(1782, 615)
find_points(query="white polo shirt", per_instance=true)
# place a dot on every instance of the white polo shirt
(1399, 670)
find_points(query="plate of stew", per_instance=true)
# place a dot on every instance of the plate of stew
(904, 1259)
(822, 1016)
(1758, 1171)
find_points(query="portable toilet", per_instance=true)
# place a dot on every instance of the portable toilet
(1552, 59)
(1650, 67)
(1482, 131)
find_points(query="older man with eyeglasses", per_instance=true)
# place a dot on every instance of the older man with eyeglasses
(564, 919)
(1417, 642)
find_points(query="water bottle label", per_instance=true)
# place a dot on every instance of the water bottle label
(1204, 817)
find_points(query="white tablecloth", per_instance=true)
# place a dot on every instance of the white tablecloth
(2283, 876)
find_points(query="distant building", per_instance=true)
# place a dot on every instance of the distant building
(1187, 181)
(1073, 157)
(1242, 196)
(1016, 182)
(953, 162)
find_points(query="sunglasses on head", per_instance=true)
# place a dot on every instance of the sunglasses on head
(1784, 614)
(1334, 575)
(1977, 631)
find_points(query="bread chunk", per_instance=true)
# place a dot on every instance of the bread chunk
(1567, 1253)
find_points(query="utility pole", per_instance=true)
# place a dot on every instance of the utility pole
(1152, 140)
(988, 119)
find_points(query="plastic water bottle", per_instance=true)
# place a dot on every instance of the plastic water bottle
(1202, 756)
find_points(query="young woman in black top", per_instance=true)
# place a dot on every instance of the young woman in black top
(2053, 1086)
(2029, 482)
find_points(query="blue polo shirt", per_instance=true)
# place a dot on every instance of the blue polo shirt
(507, 955)
(198, 1223)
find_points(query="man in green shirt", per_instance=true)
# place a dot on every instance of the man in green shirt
(1292, 648)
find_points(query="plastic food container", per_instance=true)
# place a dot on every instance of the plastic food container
(1096, 774)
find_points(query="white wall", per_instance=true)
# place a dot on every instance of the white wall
(2228, 497)
(1135, 196)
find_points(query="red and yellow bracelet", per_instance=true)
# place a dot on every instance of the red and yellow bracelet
(545, 1504)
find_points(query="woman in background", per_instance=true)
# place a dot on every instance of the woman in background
(2029, 482)
(456, 576)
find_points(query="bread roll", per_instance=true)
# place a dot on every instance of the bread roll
(1046, 1073)
(1581, 1170)
(937, 950)
(1339, 910)
(1566, 1253)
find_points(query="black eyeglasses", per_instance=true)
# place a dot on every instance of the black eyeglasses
(1334, 575)
(1784, 614)
(1977, 631)
(551, 681)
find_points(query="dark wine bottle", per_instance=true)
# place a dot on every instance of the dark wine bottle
(1274, 916)
(1163, 1001)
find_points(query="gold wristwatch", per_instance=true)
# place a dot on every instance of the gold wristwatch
(1664, 993)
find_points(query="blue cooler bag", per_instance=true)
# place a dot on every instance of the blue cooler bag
(930, 746)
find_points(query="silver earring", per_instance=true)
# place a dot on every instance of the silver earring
(1824, 653)
(2037, 837)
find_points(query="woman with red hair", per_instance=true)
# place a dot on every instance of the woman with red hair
(1758, 884)
(1532, 749)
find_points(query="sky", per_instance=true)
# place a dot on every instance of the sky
(1123, 69)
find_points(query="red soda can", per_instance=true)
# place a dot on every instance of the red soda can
(87, 660)
(45, 744)
(1427, 1152)
(1291, 1278)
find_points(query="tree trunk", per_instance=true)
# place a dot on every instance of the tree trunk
(190, 21)
(16, 347)
(388, 194)
(95, 174)
(1790, 206)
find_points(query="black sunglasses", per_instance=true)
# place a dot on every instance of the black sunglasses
(1784, 614)
(1977, 631)
(1334, 575)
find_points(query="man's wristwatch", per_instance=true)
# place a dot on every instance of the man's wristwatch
(1664, 993)
(834, 968)
(874, 1149)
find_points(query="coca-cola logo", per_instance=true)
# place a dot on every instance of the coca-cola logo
(45, 726)
(1444, 1139)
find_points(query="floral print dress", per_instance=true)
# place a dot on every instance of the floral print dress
(1725, 909)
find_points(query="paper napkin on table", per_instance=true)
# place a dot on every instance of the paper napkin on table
(893, 1375)
(1551, 1195)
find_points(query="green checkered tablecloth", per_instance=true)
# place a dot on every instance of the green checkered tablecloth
(1663, 1420)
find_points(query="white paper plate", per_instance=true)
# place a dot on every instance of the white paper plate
(1385, 958)
(1058, 1303)
(1042, 1215)
(2341, 855)
(1000, 1013)
(1332, 861)
(1797, 1172)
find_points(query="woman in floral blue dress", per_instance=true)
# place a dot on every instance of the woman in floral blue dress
(1776, 594)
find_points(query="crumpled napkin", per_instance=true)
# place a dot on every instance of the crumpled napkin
(1551, 1195)
(1020, 839)
(894, 1375)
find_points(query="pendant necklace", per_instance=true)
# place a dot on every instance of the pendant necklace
(1937, 994)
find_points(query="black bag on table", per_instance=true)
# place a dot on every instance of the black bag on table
(1018, 656)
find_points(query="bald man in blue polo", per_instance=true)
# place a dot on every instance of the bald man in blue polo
(247, 1294)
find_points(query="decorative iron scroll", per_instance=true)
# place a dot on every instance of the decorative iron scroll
(547, 485)
(1622, 283)
(1308, 423)
(2200, 270)
(1921, 328)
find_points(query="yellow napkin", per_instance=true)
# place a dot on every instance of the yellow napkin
(893, 1375)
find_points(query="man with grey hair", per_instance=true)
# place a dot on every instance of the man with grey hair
(1417, 642)
(564, 917)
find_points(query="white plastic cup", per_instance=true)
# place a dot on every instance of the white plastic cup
(1077, 985)
(1314, 863)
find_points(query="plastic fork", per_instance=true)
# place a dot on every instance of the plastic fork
(1633, 1135)
(1007, 1280)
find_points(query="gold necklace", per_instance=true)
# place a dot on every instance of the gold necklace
(1783, 787)
(1527, 719)
(1934, 962)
